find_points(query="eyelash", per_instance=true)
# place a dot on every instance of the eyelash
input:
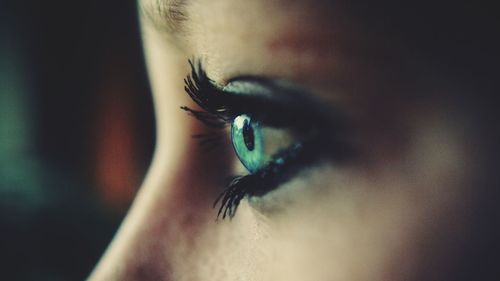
(202, 91)
(218, 111)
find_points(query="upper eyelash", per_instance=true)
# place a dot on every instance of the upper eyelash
(215, 113)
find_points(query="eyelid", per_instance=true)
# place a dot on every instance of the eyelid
(272, 89)
(275, 102)
(280, 103)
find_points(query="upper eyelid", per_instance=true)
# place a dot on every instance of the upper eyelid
(281, 97)
(285, 104)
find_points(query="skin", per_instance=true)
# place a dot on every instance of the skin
(402, 210)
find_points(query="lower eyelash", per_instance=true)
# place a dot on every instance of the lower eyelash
(231, 197)
(281, 168)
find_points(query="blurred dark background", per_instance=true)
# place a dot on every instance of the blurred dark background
(76, 132)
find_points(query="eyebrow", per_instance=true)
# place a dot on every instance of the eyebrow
(168, 16)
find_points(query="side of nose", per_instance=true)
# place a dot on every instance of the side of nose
(164, 214)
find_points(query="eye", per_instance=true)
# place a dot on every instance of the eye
(246, 137)
(276, 131)
(255, 144)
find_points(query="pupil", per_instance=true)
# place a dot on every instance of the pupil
(248, 136)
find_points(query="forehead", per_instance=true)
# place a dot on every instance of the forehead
(179, 16)
(234, 33)
(323, 36)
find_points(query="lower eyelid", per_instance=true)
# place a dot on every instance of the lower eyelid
(304, 184)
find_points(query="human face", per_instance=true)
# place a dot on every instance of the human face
(397, 209)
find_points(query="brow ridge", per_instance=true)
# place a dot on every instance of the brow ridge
(169, 16)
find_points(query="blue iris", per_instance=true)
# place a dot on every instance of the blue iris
(248, 144)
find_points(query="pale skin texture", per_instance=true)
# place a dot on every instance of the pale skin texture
(394, 214)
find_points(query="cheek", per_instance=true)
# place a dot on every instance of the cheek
(390, 221)
(224, 250)
(384, 222)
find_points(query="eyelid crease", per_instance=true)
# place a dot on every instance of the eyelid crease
(288, 103)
